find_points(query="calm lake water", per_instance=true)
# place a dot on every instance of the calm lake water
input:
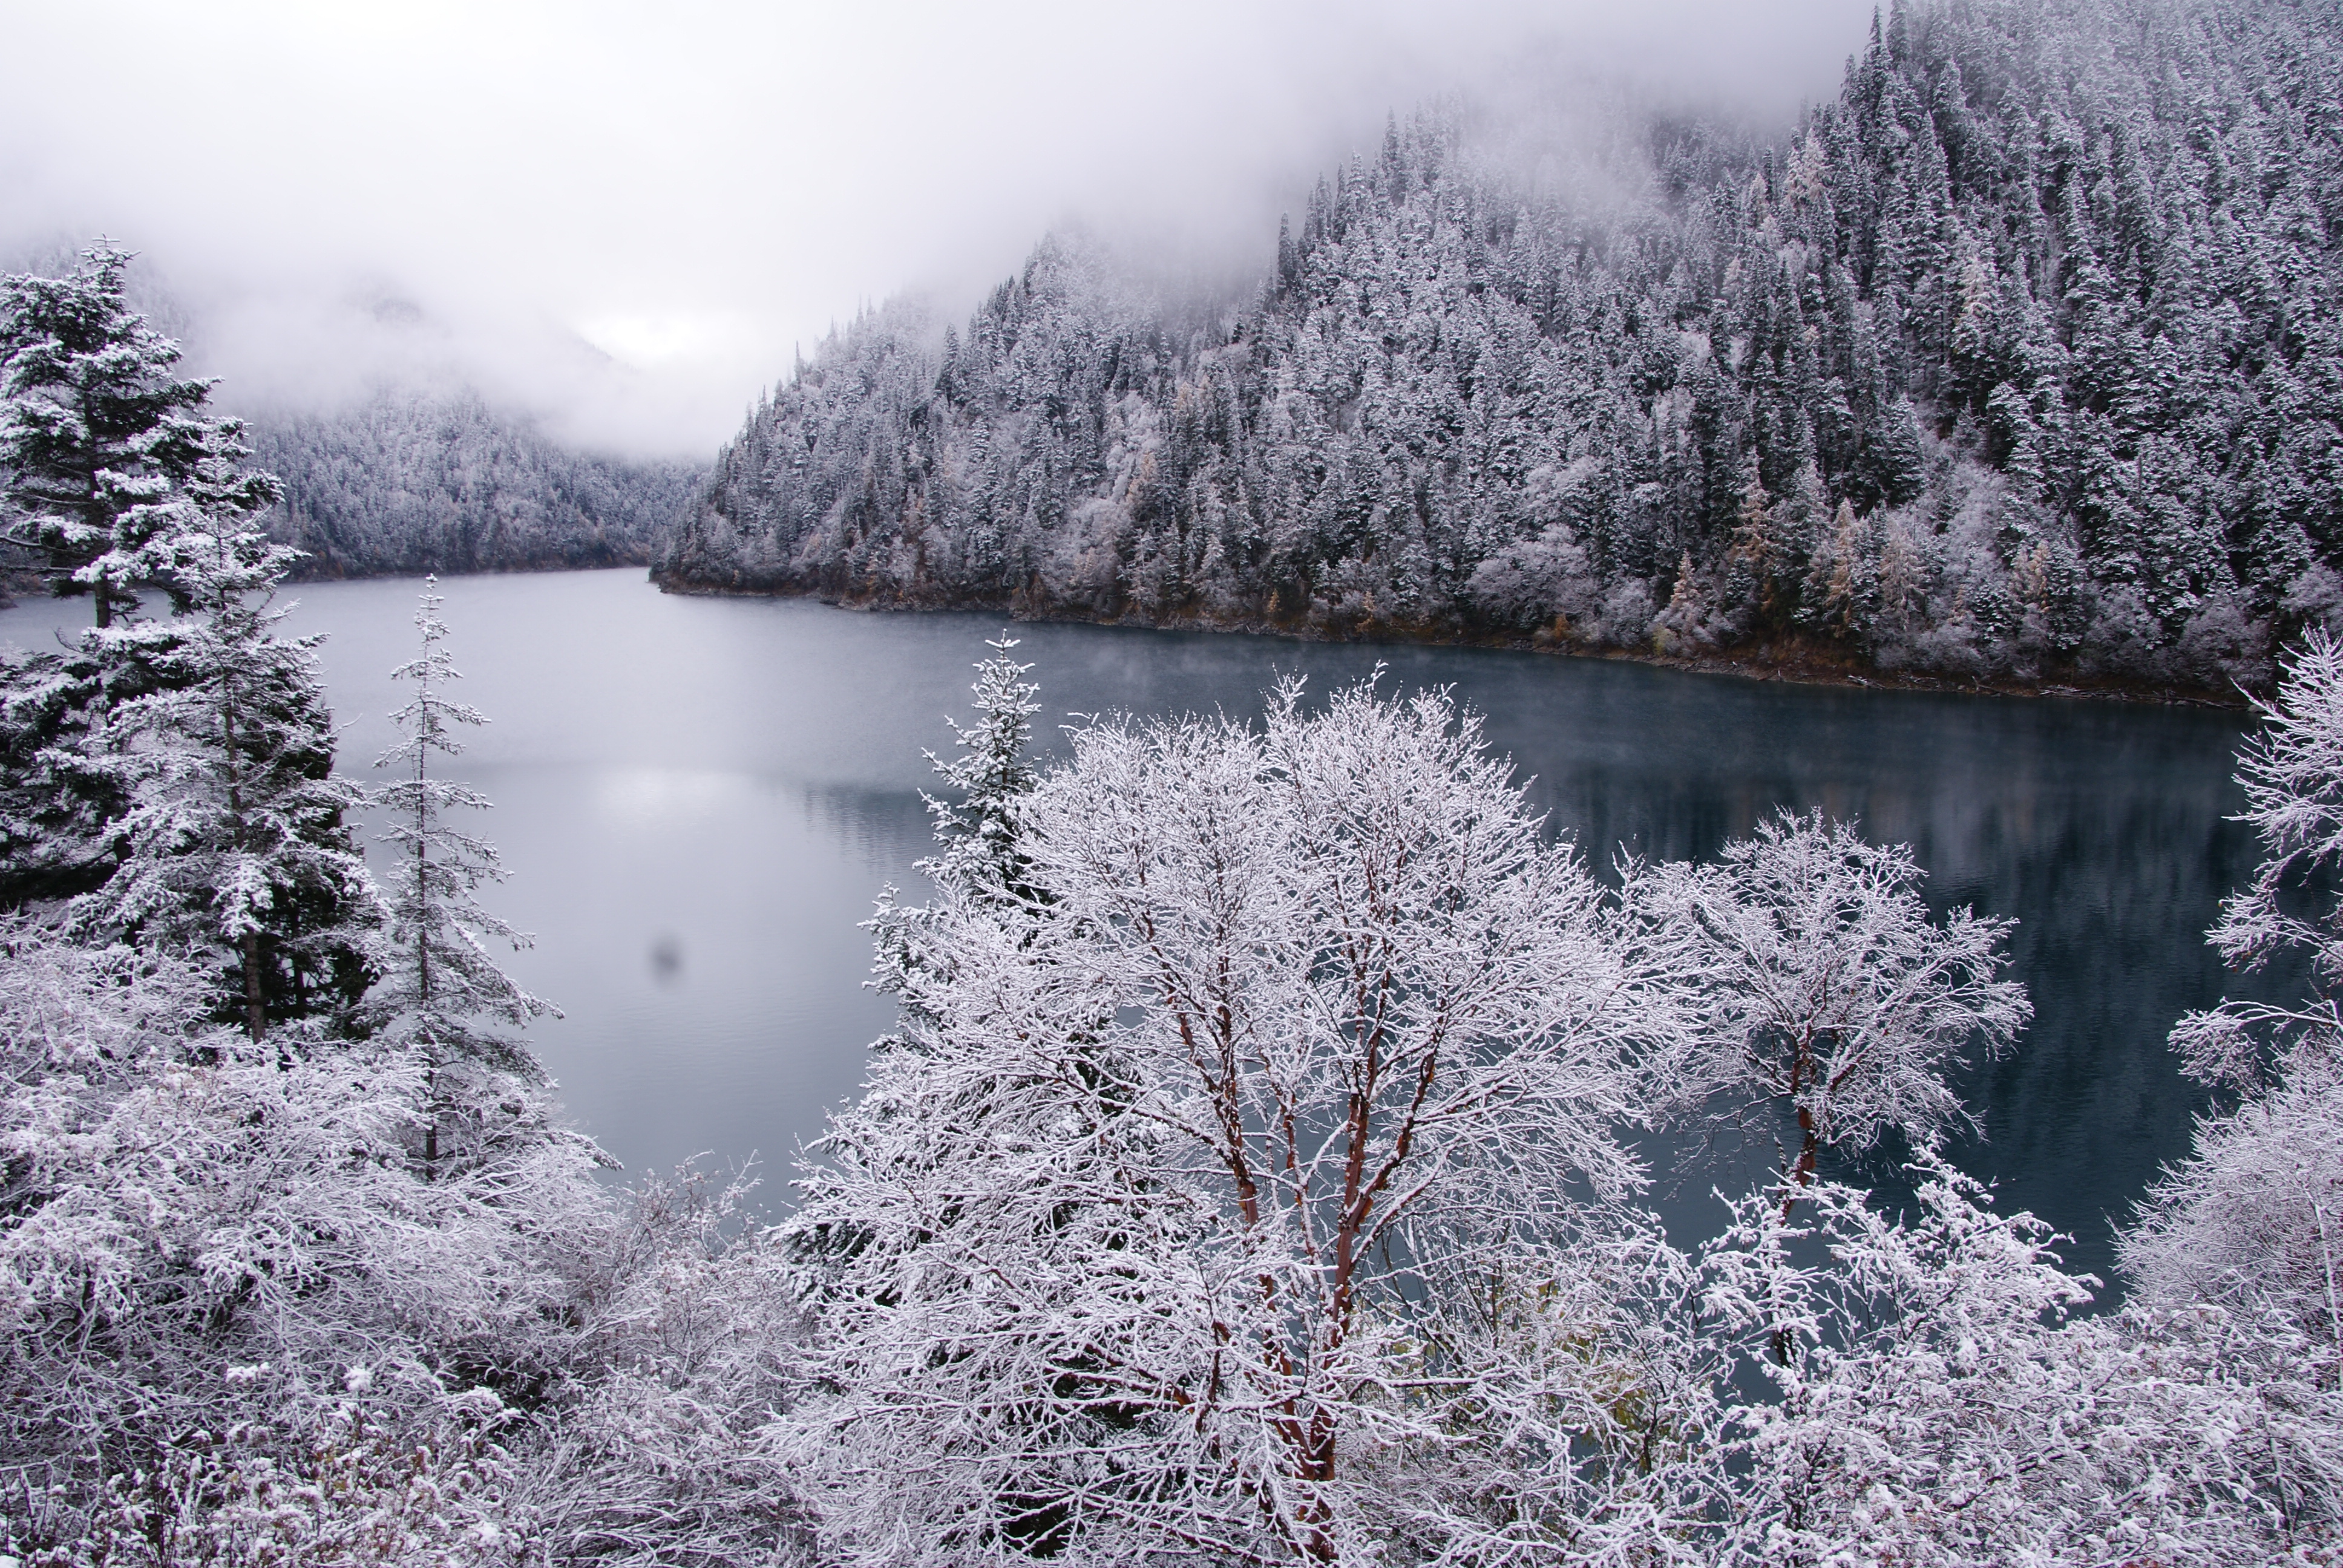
(698, 799)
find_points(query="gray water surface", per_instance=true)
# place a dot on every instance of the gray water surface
(698, 799)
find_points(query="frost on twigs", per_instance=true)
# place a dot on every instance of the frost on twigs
(1825, 987)
(1220, 1200)
(2292, 773)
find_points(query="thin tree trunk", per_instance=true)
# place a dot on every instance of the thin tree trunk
(255, 1021)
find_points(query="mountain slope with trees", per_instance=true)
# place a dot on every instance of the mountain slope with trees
(412, 483)
(2017, 359)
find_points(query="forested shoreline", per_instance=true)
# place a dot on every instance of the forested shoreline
(2015, 362)
(406, 483)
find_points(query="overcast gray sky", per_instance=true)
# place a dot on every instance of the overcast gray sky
(694, 186)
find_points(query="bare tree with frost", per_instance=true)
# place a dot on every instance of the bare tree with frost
(1830, 990)
(2292, 773)
(1935, 1410)
(1232, 1195)
(2253, 1219)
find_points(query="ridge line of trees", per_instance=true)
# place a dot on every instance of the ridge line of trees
(2017, 359)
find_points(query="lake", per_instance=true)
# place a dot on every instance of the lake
(698, 799)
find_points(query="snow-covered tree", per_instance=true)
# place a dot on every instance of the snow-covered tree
(1168, 1208)
(234, 845)
(991, 778)
(1828, 988)
(96, 425)
(182, 1203)
(2253, 1219)
(441, 995)
(2292, 773)
(1934, 1410)
(976, 826)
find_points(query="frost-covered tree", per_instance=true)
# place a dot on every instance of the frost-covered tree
(96, 426)
(2253, 1219)
(1933, 1409)
(441, 995)
(2292, 773)
(1829, 991)
(1903, 1355)
(976, 826)
(234, 845)
(1170, 1206)
(182, 1203)
(991, 778)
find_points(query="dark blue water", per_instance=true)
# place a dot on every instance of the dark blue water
(700, 797)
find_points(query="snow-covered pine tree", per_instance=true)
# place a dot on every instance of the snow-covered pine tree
(992, 777)
(96, 425)
(976, 826)
(441, 995)
(235, 844)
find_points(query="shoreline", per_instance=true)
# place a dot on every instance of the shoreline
(1803, 665)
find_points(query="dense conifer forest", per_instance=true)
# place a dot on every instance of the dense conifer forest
(412, 483)
(2017, 359)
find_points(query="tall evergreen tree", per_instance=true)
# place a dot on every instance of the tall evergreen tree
(441, 995)
(96, 426)
(235, 844)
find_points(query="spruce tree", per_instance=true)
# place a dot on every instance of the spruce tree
(234, 846)
(96, 426)
(441, 995)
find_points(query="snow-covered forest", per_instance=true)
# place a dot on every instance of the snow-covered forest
(1252, 1175)
(1264, 1165)
(411, 482)
(2017, 359)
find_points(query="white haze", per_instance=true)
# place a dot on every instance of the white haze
(623, 217)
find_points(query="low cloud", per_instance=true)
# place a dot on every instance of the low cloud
(625, 222)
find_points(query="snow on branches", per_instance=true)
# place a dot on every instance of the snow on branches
(1216, 1194)
(1828, 987)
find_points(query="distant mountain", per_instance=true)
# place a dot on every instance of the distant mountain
(2024, 357)
(412, 483)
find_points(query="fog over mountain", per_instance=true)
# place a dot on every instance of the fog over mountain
(2016, 359)
(695, 192)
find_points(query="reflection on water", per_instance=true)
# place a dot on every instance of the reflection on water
(698, 799)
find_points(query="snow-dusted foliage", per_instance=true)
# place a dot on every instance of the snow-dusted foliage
(2253, 1219)
(441, 995)
(232, 845)
(202, 1233)
(2293, 777)
(1215, 1196)
(2016, 357)
(237, 1324)
(1830, 990)
(1248, 1189)
(1929, 1408)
